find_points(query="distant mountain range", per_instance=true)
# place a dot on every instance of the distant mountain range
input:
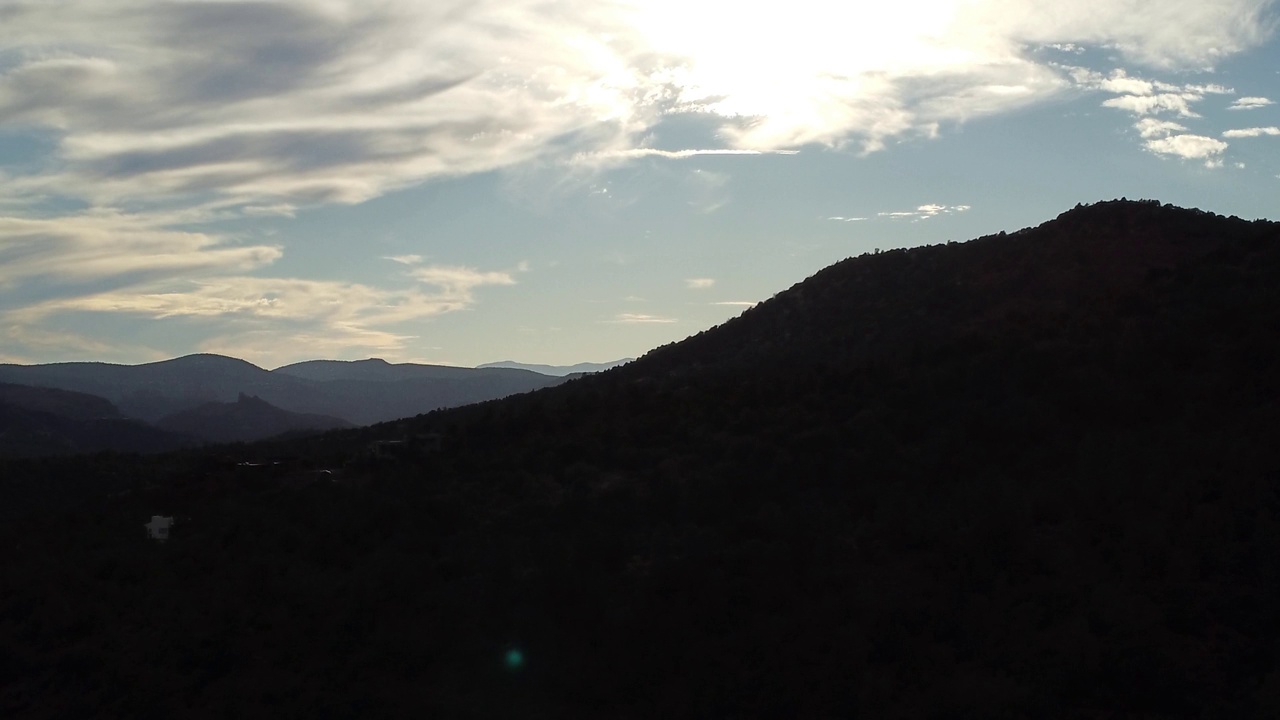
(347, 390)
(559, 370)
(205, 395)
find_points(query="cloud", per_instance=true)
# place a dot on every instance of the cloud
(246, 297)
(1191, 147)
(404, 259)
(1149, 104)
(699, 283)
(274, 348)
(1122, 84)
(597, 158)
(924, 212)
(737, 303)
(107, 245)
(1152, 128)
(40, 343)
(840, 218)
(1145, 97)
(288, 104)
(301, 317)
(639, 319)
(1250, 103)
(1252, 132)
(457, 283)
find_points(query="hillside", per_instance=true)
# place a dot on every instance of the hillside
(248, 418)
(1029, 475)
(36, 421)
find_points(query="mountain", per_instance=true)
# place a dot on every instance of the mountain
(247, 419)
(371, 391)
(153, 390)
(37, 421)
(558, 370)
(362, 392)
(1029, 475)
(372, 370)
(71, 405)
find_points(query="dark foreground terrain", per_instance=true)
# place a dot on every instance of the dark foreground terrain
(1031, 475)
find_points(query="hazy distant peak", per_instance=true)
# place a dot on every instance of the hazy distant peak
(558, 370)
(206, 360)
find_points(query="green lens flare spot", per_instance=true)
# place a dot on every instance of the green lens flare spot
(514, 659)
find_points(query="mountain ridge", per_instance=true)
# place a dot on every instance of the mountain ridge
(558, 370)
(361, 392)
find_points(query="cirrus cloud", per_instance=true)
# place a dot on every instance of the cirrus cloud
(639, 319)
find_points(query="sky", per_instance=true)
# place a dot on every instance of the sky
(560, 181)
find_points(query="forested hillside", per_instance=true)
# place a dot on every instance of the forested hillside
(1029, 475)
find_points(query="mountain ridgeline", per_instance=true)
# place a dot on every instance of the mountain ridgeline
(559, 370)
(1030, 475)
(201, 397)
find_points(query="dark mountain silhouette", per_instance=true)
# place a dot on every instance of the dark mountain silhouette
(71, 405)
(36, 421)
(247, 419)
(1031, 475)
(362, 392)
(558, 370)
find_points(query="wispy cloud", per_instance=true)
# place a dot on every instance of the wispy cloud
(924, 212)
(699, 283)
(596, 158)
(1252, 132)
(639, 319)
(300, 317)
(112, 246)
(1250, 103)
(737, 303)
(404, 259)
(841, 218)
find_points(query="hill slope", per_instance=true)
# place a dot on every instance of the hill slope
(1033, 475)
(36, 421)
(247, 419)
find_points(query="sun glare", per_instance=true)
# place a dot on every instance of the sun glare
(796, 72)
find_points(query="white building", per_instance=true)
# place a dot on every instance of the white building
(158, 528)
